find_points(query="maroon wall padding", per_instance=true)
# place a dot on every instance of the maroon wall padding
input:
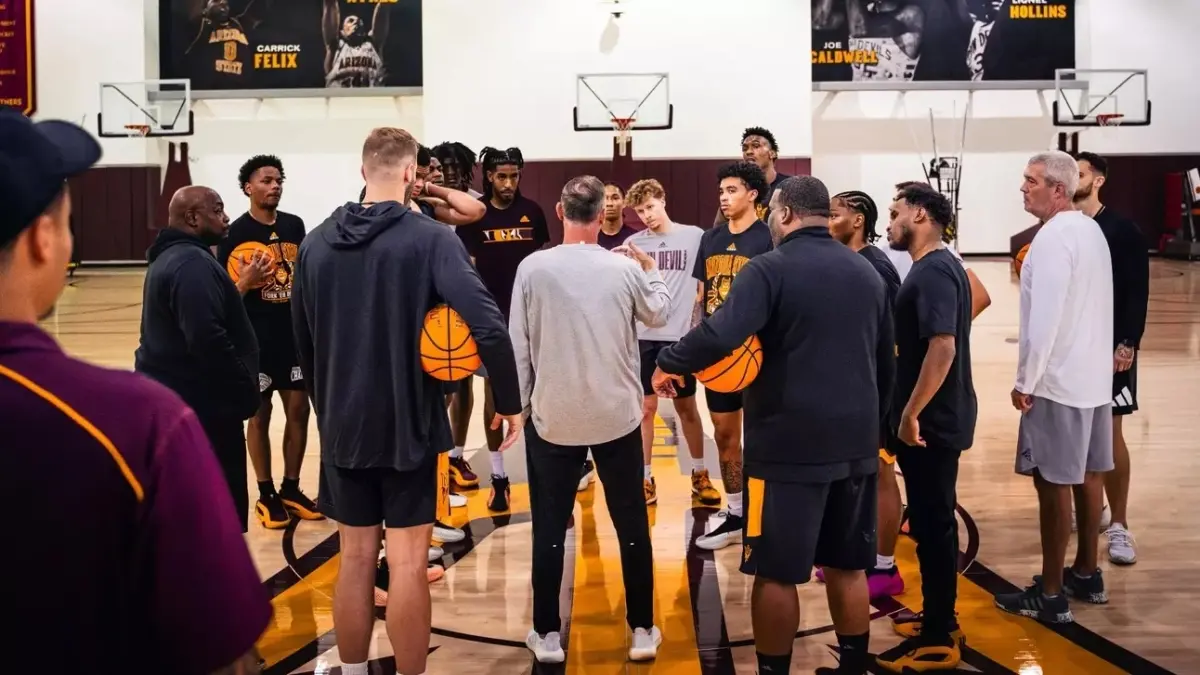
(691, 184)
(178, 175)
(113, 212)
(1020, 239)
(1137, 187)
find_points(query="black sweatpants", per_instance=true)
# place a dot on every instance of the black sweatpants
(228, 438)
(553, 477)
(930, 478)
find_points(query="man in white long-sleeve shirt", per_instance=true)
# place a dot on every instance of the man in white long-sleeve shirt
(1064, 386)
(572, 323)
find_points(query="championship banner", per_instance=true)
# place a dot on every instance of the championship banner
(223, 45)
(941, 40)
(18, 83)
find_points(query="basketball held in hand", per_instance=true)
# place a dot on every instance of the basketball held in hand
(736, 371)
(1019, 260)
(448, 352)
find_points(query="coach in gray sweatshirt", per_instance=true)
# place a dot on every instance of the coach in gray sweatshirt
(572, 323)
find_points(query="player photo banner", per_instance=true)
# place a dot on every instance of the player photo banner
(230, 45)
(18, 82)
(941, 40)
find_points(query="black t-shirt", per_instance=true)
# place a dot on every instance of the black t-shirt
(724, 254)
(1131, 275)
(268, 306)
(935, 299)
(611, 241)
(881, 263)
(501, 240)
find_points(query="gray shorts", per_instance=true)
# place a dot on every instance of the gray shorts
(1064, 443)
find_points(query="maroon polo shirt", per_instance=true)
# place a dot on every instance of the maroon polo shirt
(123, 542)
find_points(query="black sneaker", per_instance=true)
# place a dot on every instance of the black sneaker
(1090, 589)
(270, 511)
(1035, 604)
(728, 531)
(919, 654)
(498, 500)
(298, 504)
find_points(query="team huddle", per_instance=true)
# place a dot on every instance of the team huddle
(867, 353)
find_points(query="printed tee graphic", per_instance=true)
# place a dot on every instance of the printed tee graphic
(277, 288)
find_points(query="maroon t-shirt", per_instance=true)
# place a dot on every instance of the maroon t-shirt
(127, 542)
(501, 240)
(611, 241)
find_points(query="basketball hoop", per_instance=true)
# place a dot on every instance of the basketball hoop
(623, 127)
(1109, 119)
(133, 130)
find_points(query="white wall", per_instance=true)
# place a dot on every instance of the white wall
(503, 73)
(81, 44)
(872, 140)
(319, 141)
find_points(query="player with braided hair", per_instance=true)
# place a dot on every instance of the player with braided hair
(457, 165)
(852, 221)
(513, 227)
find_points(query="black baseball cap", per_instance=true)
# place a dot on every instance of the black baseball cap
(35, 162)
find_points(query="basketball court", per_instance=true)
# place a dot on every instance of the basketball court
(482, 609)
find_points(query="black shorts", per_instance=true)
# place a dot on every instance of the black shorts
(278, 365)
(1125, 391)
(649, 350)
(367, 497)
(722, 403)
(790, 527)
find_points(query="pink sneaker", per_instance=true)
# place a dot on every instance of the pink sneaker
(884, 583)
(880, 583)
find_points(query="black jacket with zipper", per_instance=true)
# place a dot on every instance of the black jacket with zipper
(196, 337)
(820, 311)
(364, 281)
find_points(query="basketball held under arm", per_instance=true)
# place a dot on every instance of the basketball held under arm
(457, 282)
(745, 311)
(980, 300)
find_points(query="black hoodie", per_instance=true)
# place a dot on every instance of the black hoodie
(196, 337)
(364, 280)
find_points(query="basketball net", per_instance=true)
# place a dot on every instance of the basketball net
(623, 127)
(1109, 123)
(133, 130)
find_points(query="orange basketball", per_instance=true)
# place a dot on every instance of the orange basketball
(448, 352)
(1019, 260)
(244, 252)
(736, 371)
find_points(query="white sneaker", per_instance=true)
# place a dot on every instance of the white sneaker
(457, 501)
(1121, 545)
(645, 644)
(546, 649)
(435, 553)
(724, 529)
(1105, 519)
(446, 534)
(588, 476)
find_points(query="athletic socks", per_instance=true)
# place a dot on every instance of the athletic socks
(774, 665)
(885, 562)
(266, 489)
(355, 668)
(497, 463)
(457, 452)
(697, 465)
(646, 472)
(733, 502)
(290, 486)
(853, 652)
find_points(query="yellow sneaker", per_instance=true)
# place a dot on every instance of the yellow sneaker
(650, 490)
(702, 488)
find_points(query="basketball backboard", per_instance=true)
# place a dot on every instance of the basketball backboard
(151, 108)
(602, 97)
(1096, 97)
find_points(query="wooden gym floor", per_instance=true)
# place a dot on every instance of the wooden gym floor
(482, 609)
